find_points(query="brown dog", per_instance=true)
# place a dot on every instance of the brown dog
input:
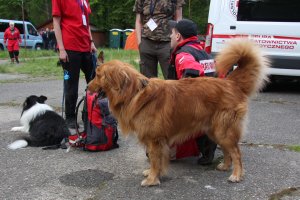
(164, 112)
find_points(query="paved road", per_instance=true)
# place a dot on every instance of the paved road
(33, 173)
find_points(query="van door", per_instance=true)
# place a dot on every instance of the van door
(275, 26)
(20, 27)
(221, 24)
(32, 35)
(3, 27)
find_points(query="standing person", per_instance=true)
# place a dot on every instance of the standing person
(153, 33)
(52, 40)
(75, 42)
(190, 60)
(12, 38)
(46, 38)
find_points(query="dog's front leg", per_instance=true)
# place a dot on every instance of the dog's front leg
(159, 158)
(20, 128)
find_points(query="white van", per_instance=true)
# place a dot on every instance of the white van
(273, 24)
(33, 38)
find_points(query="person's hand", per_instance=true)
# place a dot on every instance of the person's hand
(93, 47)
(63, 56)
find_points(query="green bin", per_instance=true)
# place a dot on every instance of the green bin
(115, 38)
(126, 32)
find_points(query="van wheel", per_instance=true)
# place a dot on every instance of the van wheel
(38, 46)
(1, 47)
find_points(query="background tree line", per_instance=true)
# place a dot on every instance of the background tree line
(106, 14)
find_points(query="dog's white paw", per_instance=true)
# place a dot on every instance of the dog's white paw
(19, 128)
(146, 172)
(222, 167)
(234, 179)
(149, 182)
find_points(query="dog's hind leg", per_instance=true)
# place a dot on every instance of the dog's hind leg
(232, 153)
(226, 164)
(158, 151)
(237, 173)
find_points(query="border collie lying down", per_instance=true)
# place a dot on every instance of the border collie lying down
(45, 127)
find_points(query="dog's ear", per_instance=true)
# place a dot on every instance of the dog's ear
(116, 77)
(42, 99)
(100, 59)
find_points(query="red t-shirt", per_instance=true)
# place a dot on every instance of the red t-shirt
(75, 34)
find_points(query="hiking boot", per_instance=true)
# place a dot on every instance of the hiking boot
(207, 149)
(71, 123)
(208, 155)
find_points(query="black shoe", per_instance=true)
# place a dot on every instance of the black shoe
(208, 155)
(71, 123)
(205, 161)
(207, 149)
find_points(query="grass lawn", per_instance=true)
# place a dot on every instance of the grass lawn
(43, 63)
(28, 53)
(294, 148)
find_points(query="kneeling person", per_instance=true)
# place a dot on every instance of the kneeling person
(188, 59)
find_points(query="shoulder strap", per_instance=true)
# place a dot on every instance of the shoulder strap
(197, 54)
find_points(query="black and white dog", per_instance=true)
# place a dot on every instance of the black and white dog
(45, 126)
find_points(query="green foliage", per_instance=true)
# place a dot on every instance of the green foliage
(106, 14)
(197, 10)
(36, 11)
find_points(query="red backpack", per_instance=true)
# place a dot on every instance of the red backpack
(100, 127)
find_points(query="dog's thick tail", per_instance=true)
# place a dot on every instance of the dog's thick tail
(22, 142)
(18, 144)
(251, 72)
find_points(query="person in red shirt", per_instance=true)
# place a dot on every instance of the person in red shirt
(75, 42)
(12, 38)
(188, 59)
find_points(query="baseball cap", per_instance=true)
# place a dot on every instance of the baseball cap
(187, 28)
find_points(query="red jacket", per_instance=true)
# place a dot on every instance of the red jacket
(12, 38)
(185, 60)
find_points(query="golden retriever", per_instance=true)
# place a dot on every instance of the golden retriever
(165, 112)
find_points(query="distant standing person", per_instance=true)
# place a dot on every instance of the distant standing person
(153, 33)
(75, 42)
(12, 38)
(46, 38)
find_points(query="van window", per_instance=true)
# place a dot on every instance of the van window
(20, 28)
(31, 30)
(269, 10)
(3, 26)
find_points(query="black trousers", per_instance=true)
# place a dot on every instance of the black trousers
(77, 61)
(13, 54)
(152, 53)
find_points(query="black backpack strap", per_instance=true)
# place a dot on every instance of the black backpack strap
(197, 54)
(76, 113)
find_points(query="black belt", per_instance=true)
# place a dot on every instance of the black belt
(12, 39)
